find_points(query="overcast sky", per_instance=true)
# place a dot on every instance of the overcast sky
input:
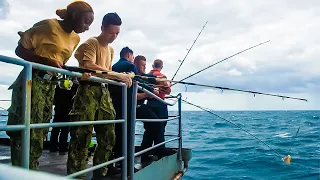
(165, 29)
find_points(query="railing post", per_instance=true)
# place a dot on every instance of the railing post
(26, 105)
(180, 129)
(133, 125)
(124, 133)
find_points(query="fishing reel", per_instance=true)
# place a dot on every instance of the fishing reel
(65, 82)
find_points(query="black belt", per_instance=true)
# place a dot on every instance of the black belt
(91, 83)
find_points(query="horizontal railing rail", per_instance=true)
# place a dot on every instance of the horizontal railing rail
(156, 97)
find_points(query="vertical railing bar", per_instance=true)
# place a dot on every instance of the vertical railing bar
(132, 135)
(26, 106)
(124, 133)
(180, 129)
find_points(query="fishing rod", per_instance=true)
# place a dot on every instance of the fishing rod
(285, 159)
(189, 50)
(224, 88)
(84, 70)
(222, 61)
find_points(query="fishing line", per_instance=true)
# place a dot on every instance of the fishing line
(285, 159)
(294, 138)
(210, 111)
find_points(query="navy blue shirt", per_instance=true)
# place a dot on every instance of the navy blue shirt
(145, 83)
(124, 65)
(121, 66)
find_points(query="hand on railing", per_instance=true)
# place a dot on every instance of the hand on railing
(156, 91)
(125, 78)
(53, 63)
(85, 76)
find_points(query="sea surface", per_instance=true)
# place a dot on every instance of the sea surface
(222, 151)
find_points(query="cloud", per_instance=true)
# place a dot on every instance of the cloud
(166, 29)
(4, 9)
(234, 72)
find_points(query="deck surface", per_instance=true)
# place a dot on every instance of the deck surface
(55, 163)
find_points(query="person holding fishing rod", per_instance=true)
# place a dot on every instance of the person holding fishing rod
(160, 109)
(93, 102)
(124, 65)
(50, 42)
(154, 132)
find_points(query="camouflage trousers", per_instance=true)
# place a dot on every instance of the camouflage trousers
(42, 93)
(91, 103)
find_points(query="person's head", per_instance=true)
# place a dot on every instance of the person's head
(127, 54)
(157, 64)
(110, 27)
(79, 14)
(140, 62)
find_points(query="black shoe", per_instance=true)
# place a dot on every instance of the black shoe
(63, 152)
(55, 149)
(113, 171)
(146, 158)
(165, 152)
(135, 170)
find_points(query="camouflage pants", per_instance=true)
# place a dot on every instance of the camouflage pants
(42, 92)
(91, 103)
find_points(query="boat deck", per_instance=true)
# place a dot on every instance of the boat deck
(56, 164)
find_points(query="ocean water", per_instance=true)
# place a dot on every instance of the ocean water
(222, 151)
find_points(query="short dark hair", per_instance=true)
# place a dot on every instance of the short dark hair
(139, 58)
(126, 50)
(111, 19)
(158, 63)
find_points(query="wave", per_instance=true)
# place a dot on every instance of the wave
(283, 135)
(220, 125)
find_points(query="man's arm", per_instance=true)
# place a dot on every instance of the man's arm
(142, 96)
(91, 65)
(167, 88)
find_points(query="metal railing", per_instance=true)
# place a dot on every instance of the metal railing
(26, 105)
(178, 136)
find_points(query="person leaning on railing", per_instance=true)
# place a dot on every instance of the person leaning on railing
(50, 42)
(124, 65)
(152, 133)
(93, 102)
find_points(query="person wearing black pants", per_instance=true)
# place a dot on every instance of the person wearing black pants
(63, 103)
(152, 133)
(160, 109)
(125, 64)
